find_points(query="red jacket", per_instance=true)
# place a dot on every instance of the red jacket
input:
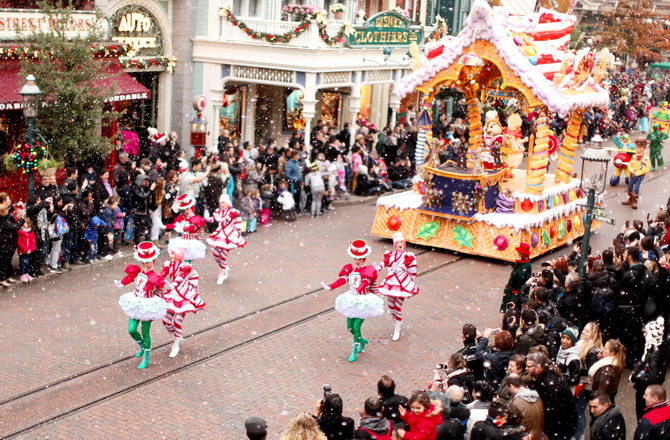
(423, 426)
(27, 242)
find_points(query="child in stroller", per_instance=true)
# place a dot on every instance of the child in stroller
(284, 204)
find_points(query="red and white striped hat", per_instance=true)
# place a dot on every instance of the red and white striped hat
(358, 249)
(185, 201)
(146, 252)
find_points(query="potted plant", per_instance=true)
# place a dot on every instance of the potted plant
(337, 9)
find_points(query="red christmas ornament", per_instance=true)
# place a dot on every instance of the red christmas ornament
(501, 242)
(394, 223)
(527, 205)
(569, 225)
(552, 232)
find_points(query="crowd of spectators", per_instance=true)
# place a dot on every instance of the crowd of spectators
(554, 367)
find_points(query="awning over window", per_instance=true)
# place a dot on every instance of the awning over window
(127, 88)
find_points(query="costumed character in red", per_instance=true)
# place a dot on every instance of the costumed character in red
(360, 301)
(145, 303)
(227, 236)
(399, 283)
(182, 297)
(190, 226)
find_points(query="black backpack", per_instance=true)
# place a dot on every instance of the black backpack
(602, 301)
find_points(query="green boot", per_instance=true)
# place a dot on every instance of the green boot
(141, 352)
(145, 362)
(362, 344)
(355, 348)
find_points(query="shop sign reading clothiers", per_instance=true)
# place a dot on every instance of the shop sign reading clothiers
(387, 29)
(136, 26)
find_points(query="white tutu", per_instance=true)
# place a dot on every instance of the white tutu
(144, 309)
(195, 249)
(353, 305)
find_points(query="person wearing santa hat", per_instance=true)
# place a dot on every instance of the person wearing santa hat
(360, 301)
(145, 302)
(651, 370)
(182, 297)
(227, 236)
(190, 226)
(520, 274)
(399, 283)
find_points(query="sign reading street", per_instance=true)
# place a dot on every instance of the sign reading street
(387, 29)
(600, 218)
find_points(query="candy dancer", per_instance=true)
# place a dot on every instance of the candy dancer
(360, 301)
(182, 297)
(399, 283)
(227, 236)
(190, 226)
(144, 303)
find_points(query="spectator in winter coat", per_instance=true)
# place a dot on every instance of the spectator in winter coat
(91, 237)
(607, 422)
(389, 399)
(528, 404)
(516, 367)
(606, 373)
(654, 363)
(490, 429)
(568, 357)
(332, 423)
(373, 422)
(26, 245)
(655, 424)
(556, 397)
(141, 191)
(455, 415)
(423, 418)
(469, 349)
(496, 360)
(9, 229)
(532, 333)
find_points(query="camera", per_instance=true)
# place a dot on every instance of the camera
(440, 366)
(326, 390)
(494, 331)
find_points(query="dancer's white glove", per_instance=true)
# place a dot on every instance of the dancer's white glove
(325, 286)
(117, 283)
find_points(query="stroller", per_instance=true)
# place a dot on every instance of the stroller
(285, 206)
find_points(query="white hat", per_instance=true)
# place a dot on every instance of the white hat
(398, 236)
(152, 131)
(358, 249)
(225, 198)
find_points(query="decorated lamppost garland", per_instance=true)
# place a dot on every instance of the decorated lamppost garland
(28, 159)
(303, 14)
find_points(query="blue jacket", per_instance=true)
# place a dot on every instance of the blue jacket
(108, 216)
(91, 232)
(293, 171)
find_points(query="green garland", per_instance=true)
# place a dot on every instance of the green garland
(148, 62)
(100, 50)
(286, 37)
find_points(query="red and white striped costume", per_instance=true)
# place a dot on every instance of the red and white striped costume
(192, 233)
(399, 282)
(183, 297)
(227, 236)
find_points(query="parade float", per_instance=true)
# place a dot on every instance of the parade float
(477, 202)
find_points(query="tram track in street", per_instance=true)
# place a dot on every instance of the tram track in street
(97, 381)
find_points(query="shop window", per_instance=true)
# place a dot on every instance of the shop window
(293, 119)
(237, 7)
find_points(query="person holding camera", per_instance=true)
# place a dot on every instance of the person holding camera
(497, 359)
(328, 415)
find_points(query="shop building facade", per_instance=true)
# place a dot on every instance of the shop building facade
(267, 72)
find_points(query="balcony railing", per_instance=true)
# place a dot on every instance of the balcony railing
(308, 39)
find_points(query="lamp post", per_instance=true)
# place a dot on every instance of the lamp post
(31, 94)
(594, 177)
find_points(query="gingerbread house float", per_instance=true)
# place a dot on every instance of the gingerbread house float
(488, 209)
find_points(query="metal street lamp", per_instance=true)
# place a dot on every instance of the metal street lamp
(31, 95)
(595, 161)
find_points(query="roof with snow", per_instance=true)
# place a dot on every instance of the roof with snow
(531, 53)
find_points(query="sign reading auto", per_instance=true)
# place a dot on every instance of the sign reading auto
(387, 29)
(137, 27)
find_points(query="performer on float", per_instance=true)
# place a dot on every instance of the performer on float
(623, 143)
(637, 167)
(520, 274)
(182, 297)
(144, 303)
(399, 283)
(190, 226)
(656, 138)
(360, 301)
(227, 236)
